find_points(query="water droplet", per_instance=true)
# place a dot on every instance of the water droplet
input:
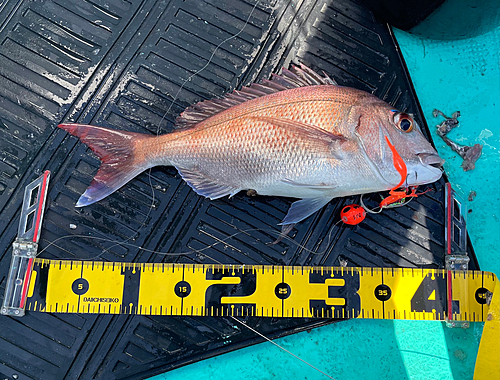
(96, 51)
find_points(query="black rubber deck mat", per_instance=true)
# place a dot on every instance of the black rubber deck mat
(119, 64)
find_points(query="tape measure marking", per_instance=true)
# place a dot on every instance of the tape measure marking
(256, 290)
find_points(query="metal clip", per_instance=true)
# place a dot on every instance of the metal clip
(25, 247)
(457, 261)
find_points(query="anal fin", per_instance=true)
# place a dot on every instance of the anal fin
(205, 186)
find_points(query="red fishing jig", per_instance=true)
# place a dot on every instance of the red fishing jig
(396, 197)
(352, 214)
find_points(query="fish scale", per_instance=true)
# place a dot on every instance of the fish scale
(253, 154)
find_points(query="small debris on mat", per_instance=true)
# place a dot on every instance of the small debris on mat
(471, 196)
(447, 125)
(470, 154)
(72, 226)
(251, 193)
(343, 262)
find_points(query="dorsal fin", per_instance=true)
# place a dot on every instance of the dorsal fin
(295, 77)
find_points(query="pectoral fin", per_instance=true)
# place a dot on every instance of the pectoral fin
(311, 131)
(304, 208)
(332, 142)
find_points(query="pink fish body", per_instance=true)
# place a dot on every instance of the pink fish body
(298, 135)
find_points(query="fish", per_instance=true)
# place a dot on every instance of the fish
(298, 134)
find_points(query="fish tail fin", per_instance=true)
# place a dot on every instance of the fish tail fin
(122, 156)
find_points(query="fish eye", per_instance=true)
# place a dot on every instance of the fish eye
(404, 122)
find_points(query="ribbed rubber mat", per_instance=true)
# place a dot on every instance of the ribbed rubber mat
(119, 64)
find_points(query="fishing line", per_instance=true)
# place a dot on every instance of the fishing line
(200, 251)
(125, 242)
(193, 251)
(205, 66)
(281, 347)
(158, 133)
(140, 225)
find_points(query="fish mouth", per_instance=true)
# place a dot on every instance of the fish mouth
(431, 159)
(427, 170)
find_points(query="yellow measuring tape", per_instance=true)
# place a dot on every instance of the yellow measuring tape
(258, 290)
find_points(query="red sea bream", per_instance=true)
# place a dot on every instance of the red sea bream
(297, 135)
